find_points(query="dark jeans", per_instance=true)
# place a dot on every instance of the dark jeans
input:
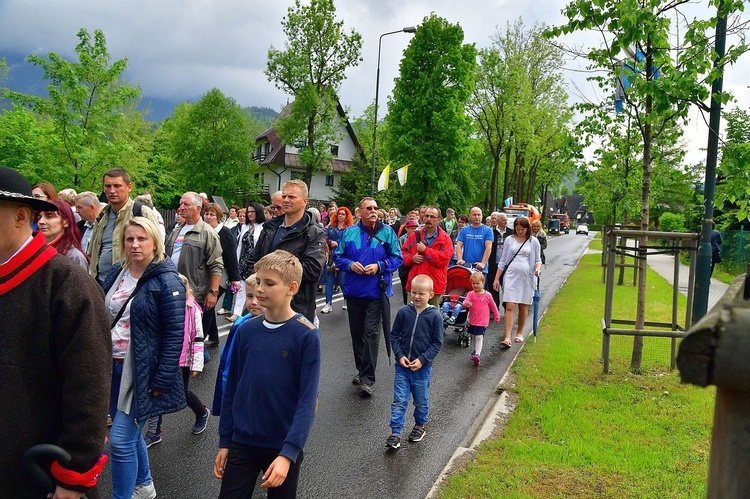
(193, 402)
(210, 329)
(245, 463)
(365, 318)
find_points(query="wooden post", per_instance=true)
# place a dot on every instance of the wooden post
(716, 352)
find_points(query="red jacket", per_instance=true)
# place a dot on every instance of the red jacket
(437, 256)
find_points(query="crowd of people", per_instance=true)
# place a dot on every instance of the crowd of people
(159, 292)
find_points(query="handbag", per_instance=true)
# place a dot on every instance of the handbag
(502, 276)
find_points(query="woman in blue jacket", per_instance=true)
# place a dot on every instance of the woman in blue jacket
(146, 302)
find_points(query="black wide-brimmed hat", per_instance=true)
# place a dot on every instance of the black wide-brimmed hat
(15, 188)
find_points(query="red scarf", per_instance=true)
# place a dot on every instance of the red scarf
(25, 263)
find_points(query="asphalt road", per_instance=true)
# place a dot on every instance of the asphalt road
(345, 455)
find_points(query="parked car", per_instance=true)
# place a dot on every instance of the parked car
(582, 229)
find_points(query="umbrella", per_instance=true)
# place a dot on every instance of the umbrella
(536, 306)
(385, 309)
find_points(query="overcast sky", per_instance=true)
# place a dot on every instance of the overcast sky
(178, 50)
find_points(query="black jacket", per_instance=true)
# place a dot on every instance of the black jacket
(308, 243)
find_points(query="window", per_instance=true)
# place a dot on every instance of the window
(335, 151)
(329, 180)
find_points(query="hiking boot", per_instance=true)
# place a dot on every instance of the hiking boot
(327, 309)
(365, 390)
(201, 422)
(144, 491)
(417, 434)
(394, 442)
(152, 438)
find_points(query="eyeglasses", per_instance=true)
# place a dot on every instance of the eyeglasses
(275, 207)
(370, 208)
(429, 216)
(40, 196)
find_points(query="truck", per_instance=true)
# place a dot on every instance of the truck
(521, 210)
(564, 222)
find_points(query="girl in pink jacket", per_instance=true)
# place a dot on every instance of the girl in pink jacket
(480, 304)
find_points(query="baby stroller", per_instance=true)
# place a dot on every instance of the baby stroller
(458, 284)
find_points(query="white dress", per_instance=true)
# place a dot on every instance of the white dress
(518, 285)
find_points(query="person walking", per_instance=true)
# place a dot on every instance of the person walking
(369, 255)
(146, 303)
(54, 354)
(521, 262)
(341, 221)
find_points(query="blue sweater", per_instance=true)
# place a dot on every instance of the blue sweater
(417, 335)
(272, 387)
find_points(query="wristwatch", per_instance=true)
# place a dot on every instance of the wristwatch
(214, 292)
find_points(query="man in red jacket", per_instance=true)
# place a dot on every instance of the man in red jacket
(428, 251)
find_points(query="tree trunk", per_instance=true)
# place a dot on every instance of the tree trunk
(506, 180)
(493, 181)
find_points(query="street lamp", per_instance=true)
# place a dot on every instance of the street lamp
(408, 29)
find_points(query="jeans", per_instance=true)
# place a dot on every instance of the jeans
(416, 383)
(365, 318)
(456, 310)
(331, 279)
(127, 450)
(245, 463)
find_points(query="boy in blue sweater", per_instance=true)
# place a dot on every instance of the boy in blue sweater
(416, 338)
(270, 396)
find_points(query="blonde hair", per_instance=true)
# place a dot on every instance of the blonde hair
(153, 233)
(423, 280)
(250, 281)
(188, 291)
(283, 262)
(299, 184)
(479, 275)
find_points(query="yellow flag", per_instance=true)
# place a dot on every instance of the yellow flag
(383, 180)
(401, 172)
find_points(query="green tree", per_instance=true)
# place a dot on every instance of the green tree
(670, 68)
(311, 67)
(93, 114)
(428, 125)
(209, 146)
(733, 188)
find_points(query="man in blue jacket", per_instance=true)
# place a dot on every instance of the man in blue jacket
(369, 253)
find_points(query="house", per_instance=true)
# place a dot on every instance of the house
(279, 162)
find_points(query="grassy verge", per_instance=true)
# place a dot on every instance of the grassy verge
(577, 432)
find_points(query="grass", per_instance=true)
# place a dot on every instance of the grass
(577, 432)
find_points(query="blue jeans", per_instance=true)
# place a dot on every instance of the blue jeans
(456, 310)
(416, 383)
(127, 450)
(331, 279)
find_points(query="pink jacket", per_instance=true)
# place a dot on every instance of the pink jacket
(479, 312)
(192, 350)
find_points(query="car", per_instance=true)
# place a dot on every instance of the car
(582, 229)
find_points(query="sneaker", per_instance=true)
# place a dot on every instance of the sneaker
(365, 390)
(327, 309)
(223, 311)
(109, 421)
(417, 434)
(152, 438)
(232, 318)
(144, 491)
(201, 422)
(445, 317)
(211, 343)
(344, 307)
(394, 442)
(451, 320)
(356, 380)
(475, 359)
(316, 322)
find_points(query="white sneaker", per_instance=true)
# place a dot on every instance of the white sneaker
(344, 307)
(327, 309)
(222, 311)
(145, 491)
(316, 322)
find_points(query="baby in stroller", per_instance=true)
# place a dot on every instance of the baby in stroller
(451, 303)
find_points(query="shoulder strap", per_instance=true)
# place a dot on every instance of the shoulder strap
(514, 255)
(122, 309)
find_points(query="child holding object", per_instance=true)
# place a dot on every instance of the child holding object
(480, 304)
(270, 396)
(416, 338)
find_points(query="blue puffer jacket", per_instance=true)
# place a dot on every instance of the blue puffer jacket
(157, 319)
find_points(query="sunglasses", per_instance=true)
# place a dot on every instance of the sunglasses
(370, 208)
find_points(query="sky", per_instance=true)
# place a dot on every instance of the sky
(178, 50)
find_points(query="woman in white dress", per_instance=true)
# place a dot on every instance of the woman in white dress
(520, 263)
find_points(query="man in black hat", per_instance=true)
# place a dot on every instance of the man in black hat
(55, 348)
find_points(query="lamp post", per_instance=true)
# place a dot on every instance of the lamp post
(408, 29)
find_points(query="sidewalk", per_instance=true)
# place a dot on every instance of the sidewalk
(664, 266)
